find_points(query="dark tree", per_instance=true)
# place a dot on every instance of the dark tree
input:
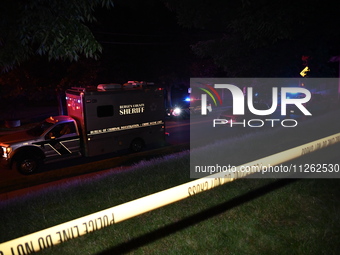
(53, 28)
(263, 37)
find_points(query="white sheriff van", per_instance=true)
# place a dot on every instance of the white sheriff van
(105, 119)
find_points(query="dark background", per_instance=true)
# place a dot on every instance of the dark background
(168, 42)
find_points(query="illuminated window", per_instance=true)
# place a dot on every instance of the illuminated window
(104, 111)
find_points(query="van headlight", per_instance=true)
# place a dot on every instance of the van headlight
(177, 111)
(6, 151)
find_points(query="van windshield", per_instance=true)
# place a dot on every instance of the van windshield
(39, 129)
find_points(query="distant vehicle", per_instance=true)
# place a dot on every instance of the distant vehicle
(100, 120)
(185, 109)
(178, 111)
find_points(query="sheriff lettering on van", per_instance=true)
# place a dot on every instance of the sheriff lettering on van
(131, 109)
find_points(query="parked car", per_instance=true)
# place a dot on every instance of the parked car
(178, 111)
(185, 109)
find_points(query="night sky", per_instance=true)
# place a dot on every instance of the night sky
(142, 40)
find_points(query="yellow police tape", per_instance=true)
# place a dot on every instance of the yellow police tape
(87, 224)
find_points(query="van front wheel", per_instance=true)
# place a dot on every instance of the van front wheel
(27, 165)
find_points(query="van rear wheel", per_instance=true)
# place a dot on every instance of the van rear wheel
(27, 165)
(136, 145)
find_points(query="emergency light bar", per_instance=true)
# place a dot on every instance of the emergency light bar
(110, 86)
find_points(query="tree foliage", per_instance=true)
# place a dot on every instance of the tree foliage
(261, 37)
(47, 27)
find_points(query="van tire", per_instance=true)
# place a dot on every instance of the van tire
(28, 164)
(136, 145)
